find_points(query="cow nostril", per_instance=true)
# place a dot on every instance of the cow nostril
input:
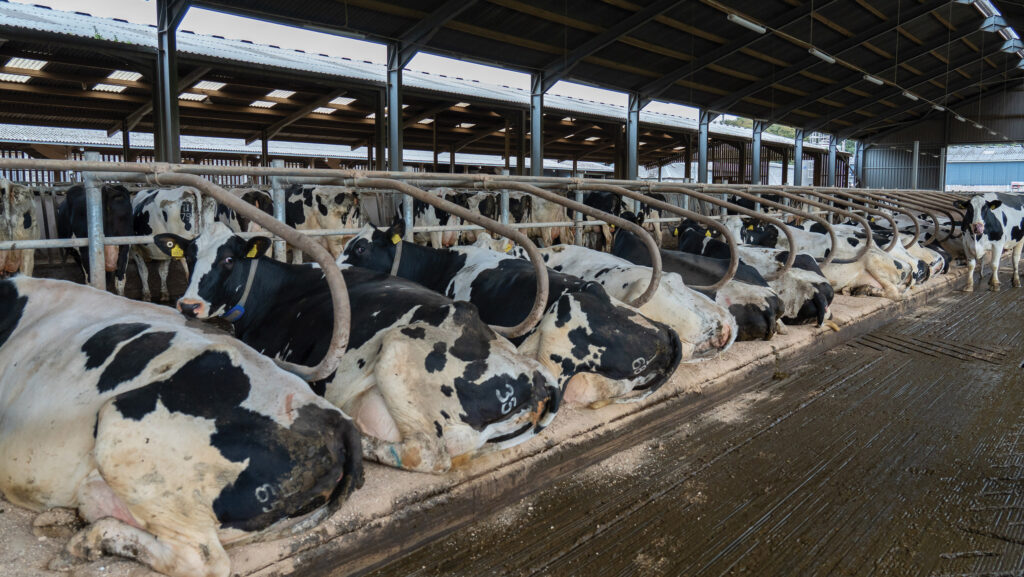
(189, 309)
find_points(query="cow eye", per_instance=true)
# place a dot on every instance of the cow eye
(360, 249)
(228, 260)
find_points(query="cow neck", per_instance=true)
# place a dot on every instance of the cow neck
(277, 283)
(431, 267)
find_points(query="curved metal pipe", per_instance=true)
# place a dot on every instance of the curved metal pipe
(828, 227)
(741, 210)
(335, 281)
(866, 200)
(942, 202)
(887, 216)
(734, 254)
(540, 299)
(549, 196)
(902, 202)
(863, 221)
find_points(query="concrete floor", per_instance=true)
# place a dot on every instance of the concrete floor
(899, 453)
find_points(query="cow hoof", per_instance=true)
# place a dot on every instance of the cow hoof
(58, 522)
(995, 288)
(1016, 283)
(967, 289)
(165, 297)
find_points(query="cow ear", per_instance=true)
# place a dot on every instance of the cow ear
(960, 204)
(640, 218)
(257, 246)
(995, 204)
(171, 244)
(396, 232)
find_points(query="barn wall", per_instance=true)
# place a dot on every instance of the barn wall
(891, 167)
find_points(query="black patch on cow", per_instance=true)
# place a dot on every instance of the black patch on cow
(602, 272)
(447, 390)
(102, 344)
(568, 367)
(361, 363)
(445, 414)
(414, 332)
(898, 264)
(475, 341)
(289, 471)
(440, 431)
(1005, 220)
(133, 358)
(853, 241)
(557, 268)
(436, 359)
(482, 402)
(1017, 233)
(339, 198)
(321, 206)
(563, 312)
(11, 308)
(432, 315)
(28, 220)
(580, 342)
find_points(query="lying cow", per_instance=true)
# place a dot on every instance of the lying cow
(600, 350)
(705, 328)
(155, 211)
(805, 292)
(117, 221)
(17, 222)
(310, 207)
(993, 223)
(747, 296)
(169, 442)
(876, 274)
(920, 268)
(427, 382)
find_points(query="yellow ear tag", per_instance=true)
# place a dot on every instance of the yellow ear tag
(707, 233)
(750, 227)
(176, 252)
(611, 226)
(508, 248)
(675, 232)
(395, 239)
(253, 252)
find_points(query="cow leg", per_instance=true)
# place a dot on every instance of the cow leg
(168, 554)
(971, 264)
(1015, 257)
(436, 240)
(163, 269)
(606, 231)
(140, 266)
(28, 261)
(997, 259)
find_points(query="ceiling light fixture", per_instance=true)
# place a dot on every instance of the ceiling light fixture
(873, 80)
(818, 53)
(741, 21)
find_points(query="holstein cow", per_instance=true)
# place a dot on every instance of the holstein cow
(312, 207)
(601, 238)
(427, 215)
(920, 268)
(600, 349)
(259, 198)
(117, 221)
(805, 292)
(182, 211)
(747, 296)
(993, 222)
(427, 382)
(877, 274)
(17, 222)
(168, 441)
(535, 209)
(705, 328)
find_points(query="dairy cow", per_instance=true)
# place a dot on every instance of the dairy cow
(169, 442)
(427, 215)
(705, 328)
(428, 383)
(805, 292)
(601, 238)
(993, 222)
(259, 198)
(312, 207)
(17, 222)
(599, 349)
(747, 296)
(117, 221)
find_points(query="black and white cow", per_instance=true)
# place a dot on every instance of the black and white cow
(117, 221)
(600, 350)
(601, 238)
(259, 198)
(705, 328)
(311, 207)
(17, 222)
(805, 292)
(747, 296)
(168, 441)
(427, 382)
(876, 274)
(427, 215)
(993, 222)
(921, 268)
(181, 211)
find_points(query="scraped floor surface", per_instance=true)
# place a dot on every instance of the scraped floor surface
(900, 453)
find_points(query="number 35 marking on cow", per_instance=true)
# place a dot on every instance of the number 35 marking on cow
(265, 493)
(508, 402)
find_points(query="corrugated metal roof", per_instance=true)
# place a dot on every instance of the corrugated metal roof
(1009, 153)
(42, 19)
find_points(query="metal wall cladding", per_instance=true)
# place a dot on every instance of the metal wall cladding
(891, 167)
(984, 173)
(1002, 113)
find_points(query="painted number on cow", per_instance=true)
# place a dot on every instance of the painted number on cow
(266, 493)
(640, 364)
(508, 401)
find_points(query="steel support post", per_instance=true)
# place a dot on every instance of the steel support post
(832, 142)
(169, 16)
(94, 223)
(798, 158)
(633, 140)
(755, 152)
(394, 92)
(536, 125)
(277, 195)
(702, 147)
(915, 164)
(380, 138)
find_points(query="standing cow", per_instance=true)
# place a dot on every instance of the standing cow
(177, 211)
(168, 441)
(993, 223)
(312, 207)
(72, 222)
(17, 222)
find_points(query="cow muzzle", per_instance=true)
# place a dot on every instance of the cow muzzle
(110, 253)
(978, 228)
(192, 308)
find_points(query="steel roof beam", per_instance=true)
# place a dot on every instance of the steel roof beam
(424, 30)
(272, 130)
(560, 68)
(652, 89)
(924, 8)
(890, 91)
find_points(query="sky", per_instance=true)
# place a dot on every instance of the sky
(229, 26)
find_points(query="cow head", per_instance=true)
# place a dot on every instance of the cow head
(757, 233)
(374, 248)
(978, 216)
(218, 268)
